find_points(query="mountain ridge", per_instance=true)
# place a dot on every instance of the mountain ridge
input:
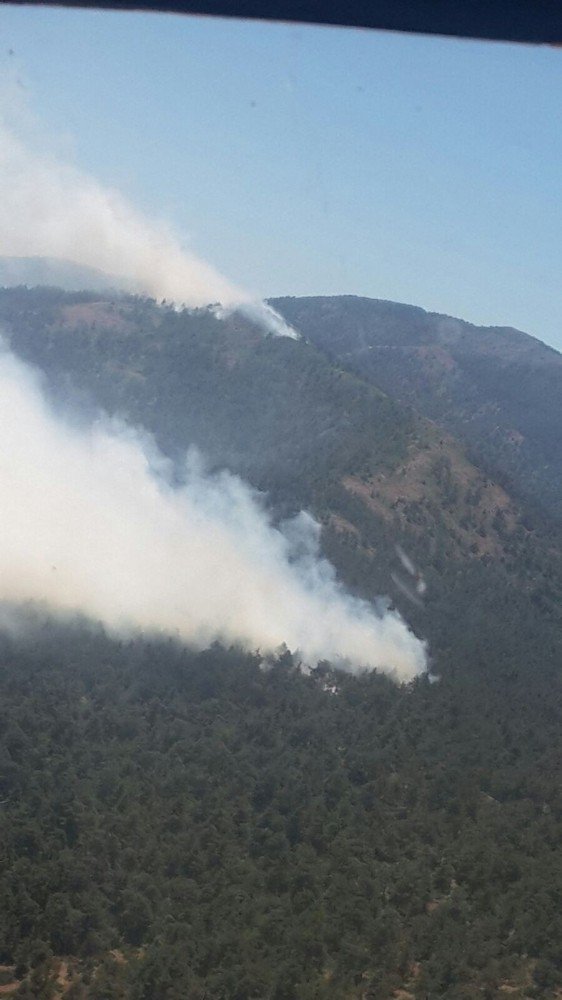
(425, 316)
(499, 390)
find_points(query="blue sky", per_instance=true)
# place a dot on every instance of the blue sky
(303, 160)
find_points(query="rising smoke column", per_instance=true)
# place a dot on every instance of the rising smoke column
(90, 522)
(48, 208)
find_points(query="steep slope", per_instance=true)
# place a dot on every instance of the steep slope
(499, 389)
(278, 412)
(179, 824)
(272, 409)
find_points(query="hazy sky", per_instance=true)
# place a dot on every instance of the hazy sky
(305, 160)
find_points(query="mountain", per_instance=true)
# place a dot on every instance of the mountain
(180, 824)
(311, 434)
(497, 389)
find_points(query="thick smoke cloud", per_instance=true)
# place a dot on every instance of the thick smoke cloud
(90, 521)
(50, 209)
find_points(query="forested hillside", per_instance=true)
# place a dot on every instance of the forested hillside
(187, 826)
(311, 434)
(268, 408)
(499, 389)
(182, 825)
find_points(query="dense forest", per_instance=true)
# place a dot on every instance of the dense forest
(179, 825)
(218, 825)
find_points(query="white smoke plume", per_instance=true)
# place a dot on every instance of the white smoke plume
(91, 522)
(48, 208)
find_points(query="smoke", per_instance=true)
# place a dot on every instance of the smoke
(92, 520)
(48, 208)
(415, 588)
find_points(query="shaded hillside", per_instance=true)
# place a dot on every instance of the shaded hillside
(278, 412)
(274, 410)
(497, 388)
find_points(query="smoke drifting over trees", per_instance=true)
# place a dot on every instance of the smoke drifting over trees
(91, 522)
